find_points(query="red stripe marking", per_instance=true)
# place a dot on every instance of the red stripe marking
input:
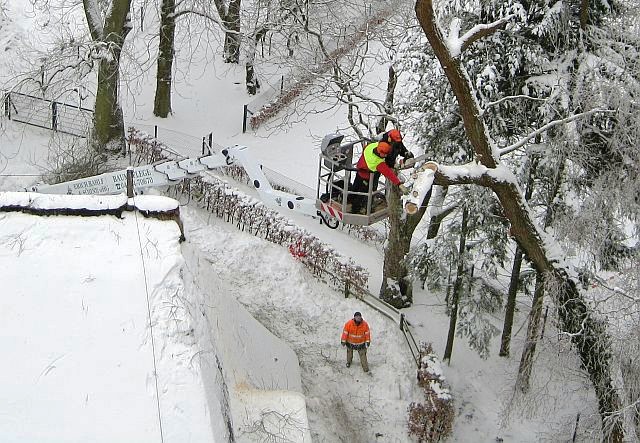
(333, 212)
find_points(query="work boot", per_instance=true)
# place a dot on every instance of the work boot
(348, 364)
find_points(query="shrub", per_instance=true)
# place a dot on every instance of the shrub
(431, 421)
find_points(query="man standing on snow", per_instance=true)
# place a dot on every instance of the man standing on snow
(356, 335)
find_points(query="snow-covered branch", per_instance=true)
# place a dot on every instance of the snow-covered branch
(549, 125)
(482, 30)
(512, 97)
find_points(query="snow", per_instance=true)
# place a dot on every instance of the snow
(76, 333)
(76, 323)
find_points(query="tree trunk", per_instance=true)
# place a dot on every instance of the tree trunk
(436, 220)
(231, 20)
(533, 331)
(630, 373)
(108, 130)
(388, 101)
(587, 333)
(398, 244)
(166, 51)
(510, 308)
(457, 288)
(108, 133)
(251, 79)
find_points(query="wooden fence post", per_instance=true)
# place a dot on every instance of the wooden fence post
(346, 289)
(130, 182)
(244, 119)
(7, 105)
(575, 431)
(210, 142)
(54, 116)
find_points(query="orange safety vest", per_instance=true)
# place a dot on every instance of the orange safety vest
(356, 335)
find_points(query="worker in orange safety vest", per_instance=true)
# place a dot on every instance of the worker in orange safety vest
(356, 335)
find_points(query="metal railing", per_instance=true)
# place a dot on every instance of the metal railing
(48, 114)
(388, 311)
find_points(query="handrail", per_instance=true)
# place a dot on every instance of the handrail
(388, 311)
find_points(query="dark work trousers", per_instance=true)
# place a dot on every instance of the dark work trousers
(359, 202)
(362, 352)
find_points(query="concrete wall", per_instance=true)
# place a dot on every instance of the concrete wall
(238, 353)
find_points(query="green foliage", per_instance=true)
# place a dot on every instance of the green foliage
(474, 321)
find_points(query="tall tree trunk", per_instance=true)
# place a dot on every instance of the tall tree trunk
(505, 342)
(231, 20)
(251, 79)
(533, 331)
(528, 352)
(397, 287)
(388, 101)
(587, 333)
(457, 288)
(510, 307)
(108, 129)
(166, 52)
(108, 133)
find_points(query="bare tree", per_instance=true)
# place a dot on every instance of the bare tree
(229, 12)
(166, 53)
(109, 26)
(587, 333)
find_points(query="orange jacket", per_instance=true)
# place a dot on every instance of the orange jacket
(355, 335)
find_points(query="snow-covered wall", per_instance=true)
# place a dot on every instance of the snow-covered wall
(246, 361)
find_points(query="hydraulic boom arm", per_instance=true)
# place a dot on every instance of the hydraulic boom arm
(171, 172)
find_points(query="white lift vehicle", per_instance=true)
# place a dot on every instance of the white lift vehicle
(332, 203)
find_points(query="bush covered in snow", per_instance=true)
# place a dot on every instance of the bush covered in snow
(431, 421)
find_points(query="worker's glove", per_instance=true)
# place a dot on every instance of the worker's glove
(366, 345)
(344, 344)
(403, 189)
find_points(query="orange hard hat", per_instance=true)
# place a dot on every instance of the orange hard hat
(383, 148)
(395, 136)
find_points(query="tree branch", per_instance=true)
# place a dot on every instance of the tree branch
(511, 97)
(549, 125)
(482, 30)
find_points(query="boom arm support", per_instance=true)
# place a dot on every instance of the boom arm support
(171, 172)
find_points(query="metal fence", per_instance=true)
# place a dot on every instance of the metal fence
(48, 114)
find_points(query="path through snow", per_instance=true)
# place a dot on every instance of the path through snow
(343, 404)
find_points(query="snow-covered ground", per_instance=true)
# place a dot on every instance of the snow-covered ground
(80, 360)
(341, 404)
